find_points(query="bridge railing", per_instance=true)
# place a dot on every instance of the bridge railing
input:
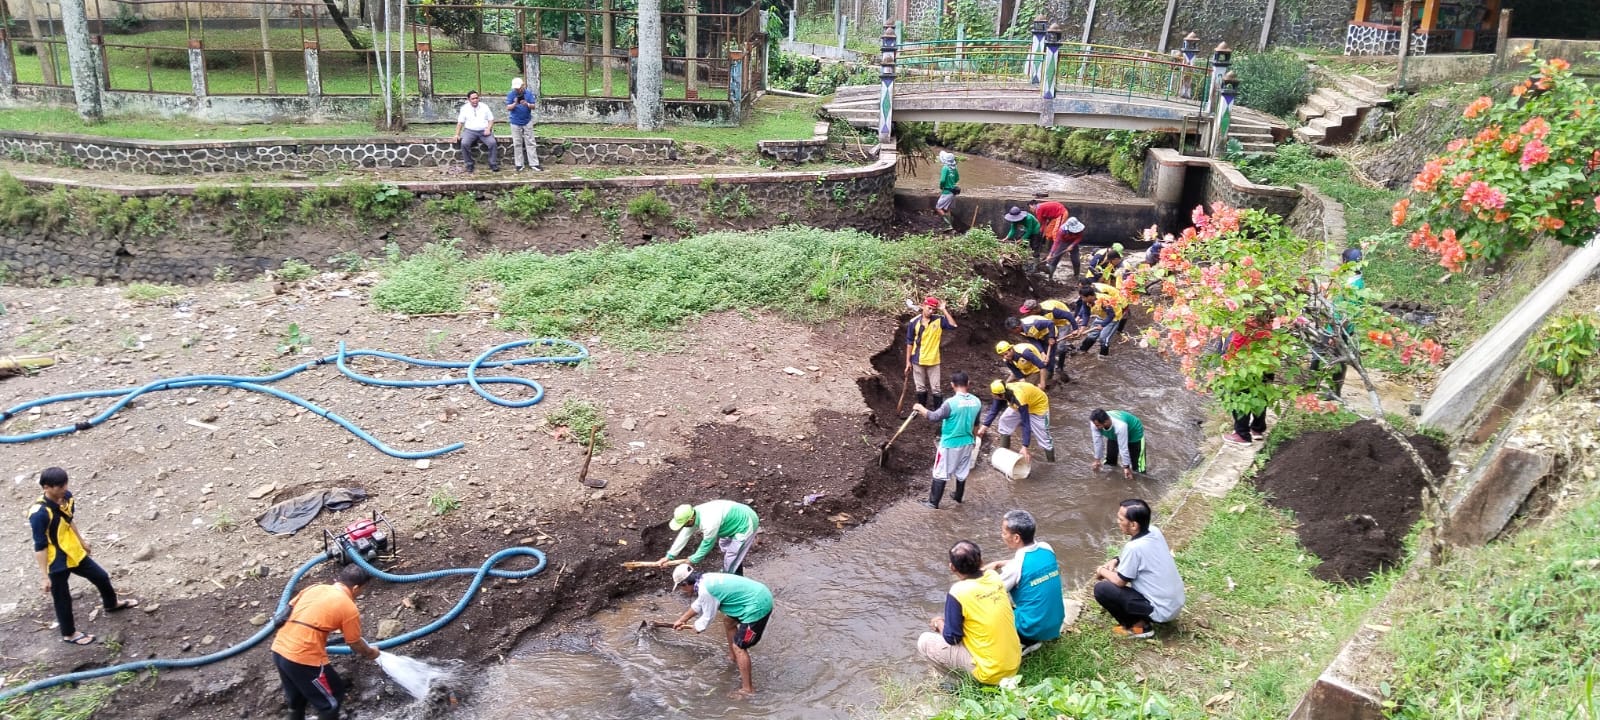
(1080, 68)
(1002, 59)
(1133, 76)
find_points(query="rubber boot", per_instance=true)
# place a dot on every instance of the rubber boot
(935, 494)
(1005, 441)
(1050, 455)
(935, 400)
(922, 399)
(1087, 343)
(1105, 350)
(961, 489)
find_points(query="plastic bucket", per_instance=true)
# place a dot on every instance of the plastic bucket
(1012, 465)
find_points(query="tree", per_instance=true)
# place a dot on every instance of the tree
(649, 114)
(1531, 169)
(83, 61)
(1246, 298)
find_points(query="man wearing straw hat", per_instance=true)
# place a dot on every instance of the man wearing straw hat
(948, 177)
(1025, 228)
(729, 525)
(746, 606)
(957, 443)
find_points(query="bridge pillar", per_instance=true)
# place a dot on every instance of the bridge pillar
(887, 44)
(1052, 60)
(1219, 136)
(1168, 190)
(1034, 65)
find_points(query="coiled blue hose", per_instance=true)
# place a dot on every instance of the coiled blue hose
(487, 569)
(574, 353)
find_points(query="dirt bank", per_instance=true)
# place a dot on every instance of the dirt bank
(1355, 494)
(753, 408)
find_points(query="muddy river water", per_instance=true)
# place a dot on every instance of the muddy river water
(986, 177)
(848, 611)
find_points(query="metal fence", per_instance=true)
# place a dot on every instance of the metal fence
(1094, 69)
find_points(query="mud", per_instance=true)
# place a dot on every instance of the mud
(1355, 494)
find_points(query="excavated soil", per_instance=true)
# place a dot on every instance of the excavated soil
(1355, 493)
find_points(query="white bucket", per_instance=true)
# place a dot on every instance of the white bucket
(1012, 465)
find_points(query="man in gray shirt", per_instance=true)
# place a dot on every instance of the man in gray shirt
(1141, 586)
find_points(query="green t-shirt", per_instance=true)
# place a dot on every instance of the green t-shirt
(738, 597)
(948, 177)
(1135, 428)
(1025, 228)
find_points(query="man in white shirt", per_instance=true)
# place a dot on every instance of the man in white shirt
(475, 124)
(1141, 586)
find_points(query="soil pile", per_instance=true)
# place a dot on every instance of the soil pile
(1355, 493)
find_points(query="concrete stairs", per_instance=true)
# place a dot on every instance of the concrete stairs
(1333, 114)
(855, 104)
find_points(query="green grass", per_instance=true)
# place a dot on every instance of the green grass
(581, 418)
(80, 702)
(149, 292)
(774, 118)
(802, 273)
(1509, 630)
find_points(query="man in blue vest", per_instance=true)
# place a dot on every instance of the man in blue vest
(1033, 577)
(957, 442)
(520, 103)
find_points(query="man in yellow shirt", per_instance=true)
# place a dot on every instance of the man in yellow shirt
(1025, 406)
(924, 334)
(977, 633)
(300, 649)
(62, 551)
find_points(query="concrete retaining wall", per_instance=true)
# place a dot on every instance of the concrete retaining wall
(1428, 70)
(204, 238)
(1178, 182)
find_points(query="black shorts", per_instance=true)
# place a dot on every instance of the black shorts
(319, 687)
(746, 635)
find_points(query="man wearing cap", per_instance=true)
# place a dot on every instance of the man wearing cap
(520, 103)
(1108, 316)
(1105, 263)
(475, 124)
(1025, 227)
(948, 177)
(1024, 405)
(1050, 215)
(1023, 360)
(1118, 438)
(957, 443)
(977, 632)
(726, 524)
(1067, 319)
(924, 334)
(1066, 242)
(746, 605)
(1039, 329)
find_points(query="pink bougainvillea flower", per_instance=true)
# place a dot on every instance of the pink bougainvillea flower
(1456, 144)
(1552, 223)
(1536, 152)
(1429, 176)
(1481, 194)
(1538, 127)
(1461, 179)
(1478, 107)
(1597, 203)
(1509, 145)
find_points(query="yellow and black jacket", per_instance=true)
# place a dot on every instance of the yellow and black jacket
(53, 533)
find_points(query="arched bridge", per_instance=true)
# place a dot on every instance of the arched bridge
(1039, 82)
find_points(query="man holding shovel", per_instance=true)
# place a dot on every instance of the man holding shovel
(924, 334)
(957, 443)
(746, 606)
(726, 524)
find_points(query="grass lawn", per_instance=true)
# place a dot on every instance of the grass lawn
(234, 67)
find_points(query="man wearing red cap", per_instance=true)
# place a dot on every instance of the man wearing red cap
(924, 334)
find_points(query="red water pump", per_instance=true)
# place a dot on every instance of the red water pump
(371, 538)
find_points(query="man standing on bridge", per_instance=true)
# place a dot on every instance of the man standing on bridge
(729, 525)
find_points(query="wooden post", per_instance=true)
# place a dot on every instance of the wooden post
(691, 49)
(1500, 40)
(1405, 42)
(1088, 22)
(1166, 24)
(606, 46)
(1266, 24)
(266, 48)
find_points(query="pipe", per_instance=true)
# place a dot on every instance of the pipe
(487, 569)
(573, 353)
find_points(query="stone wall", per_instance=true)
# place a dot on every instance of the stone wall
(1227, 185)
(1319, 217)
(799, 151)
(155, 157)
(204, 238)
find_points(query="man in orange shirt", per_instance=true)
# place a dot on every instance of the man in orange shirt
(300, 648)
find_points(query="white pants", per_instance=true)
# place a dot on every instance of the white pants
(946, 656)
(954, 462)
(734, 549)
(926, 377)
(1039, 425)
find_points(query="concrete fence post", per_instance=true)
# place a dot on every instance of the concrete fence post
(1229, 91)
(313, 70)
(1052, 61)
(1036, 49)
(791, 24)
(1221, 59)
(425, 72)
(531, 77)
(887, 43)
(197, 67)
(736, 80)
(8, 67)
(1501, 46)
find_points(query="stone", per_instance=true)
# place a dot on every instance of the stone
(388, 628)
(258, 619)
(207, 640)
(423, 464)
(145, 552)
(262, 491)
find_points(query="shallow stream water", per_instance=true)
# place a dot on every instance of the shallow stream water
(986, 177)
(848, 611)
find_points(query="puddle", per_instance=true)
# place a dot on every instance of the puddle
(848, 611)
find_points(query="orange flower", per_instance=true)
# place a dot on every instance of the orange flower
(1552, 223)
(1509, 145)
(1478, 107)
(1557, 65)
(1520, 90)
(1538, 127)
(1397, 216)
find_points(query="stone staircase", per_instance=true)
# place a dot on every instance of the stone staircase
(1253, 136)
(1333, 113)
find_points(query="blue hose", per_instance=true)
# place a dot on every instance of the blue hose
(487, 569)
(574, 353)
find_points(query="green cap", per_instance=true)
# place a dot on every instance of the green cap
(681, 517)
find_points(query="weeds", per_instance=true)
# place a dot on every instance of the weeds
(580, 200)
(435, 340)
(381, 202)
(463, 206)
(526, 204)
(432, 281)
(580, 418)
(74, 702)
(649, 209)
(294, 270)
(1563, 349)
(443, 502)
(224, 523)
(348, 261)
(293, 340)
(224, 273)
(151, 293)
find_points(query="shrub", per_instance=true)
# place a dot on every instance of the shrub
(428, 282)
(1059, 697)
(381, 202)
(648, 209)
(580, 418)
(150, 292)
(294, 270)
(526, 204)
(1562, 348)
(126, 21)
(1274, 82)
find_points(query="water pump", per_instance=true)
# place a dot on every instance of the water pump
(371, 538)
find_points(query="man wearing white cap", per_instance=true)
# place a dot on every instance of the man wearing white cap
(519, 112)
(746, 606)
(948, 177)
(726, 524)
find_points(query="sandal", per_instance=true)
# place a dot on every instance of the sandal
(78, 638)
(128, 604)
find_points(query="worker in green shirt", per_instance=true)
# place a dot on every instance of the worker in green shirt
(1025, 227)
(726, 524)
(948, 177)
(1118, 439)
(746, 605)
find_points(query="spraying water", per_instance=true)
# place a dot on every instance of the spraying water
(416, 676)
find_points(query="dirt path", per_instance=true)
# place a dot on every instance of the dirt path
(169, 505)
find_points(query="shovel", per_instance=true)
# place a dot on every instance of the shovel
(583, 475)
(905, 385)
(883, 450)
(638, 564)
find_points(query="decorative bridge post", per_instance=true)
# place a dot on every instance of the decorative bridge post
(1052, 60)
(1221, 58)
(1189, 50)
(1036, 49)
(887, 44)
(1219, 136)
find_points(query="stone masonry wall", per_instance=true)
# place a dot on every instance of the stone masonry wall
(186, 158)
(207, 239)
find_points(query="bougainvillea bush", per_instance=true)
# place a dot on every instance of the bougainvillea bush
(1530, 168)
(1244, 297)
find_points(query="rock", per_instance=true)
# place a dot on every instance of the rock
(207, 640)
(388, 628)
(207, 489)
(797, 372)
(1376, 126)
(258, 619)
(419, 536)
(152, 515)
(152, 607)
(598, 494)
(145, 552)
(423, 464)
(730, 409)
(629, 423)
(262, 491)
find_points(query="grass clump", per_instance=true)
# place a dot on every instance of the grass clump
(1505, 631)
(649, 209)
(294, 270)
(151, 292)
(1274, 82)
(580, 418)
(74, 702)
(432, 281)
(526, 204)
(461, 206)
